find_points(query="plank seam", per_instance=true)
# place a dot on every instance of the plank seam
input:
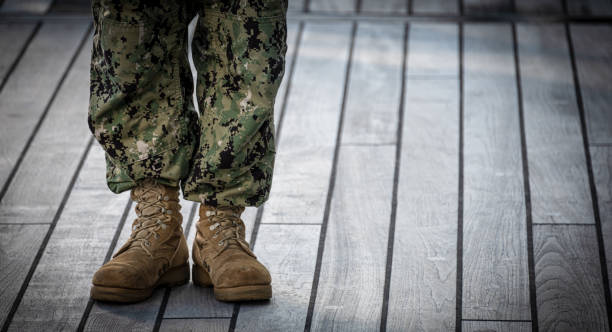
(497, 320)
(396, 173)
(292, 223)
(526, 185)
(203, 317)
(332, 181)
(594, 198)
(46, 239)
(43, 116)
(459, 273)
(16, 62)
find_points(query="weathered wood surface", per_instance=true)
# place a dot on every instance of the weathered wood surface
(495, 273)
(568, 279)
(589, 7)
(539, 7)
(482, 326)
(289, 252)
(423, 277)
(601, 158)
(292, 37)
(392, 7)
(27, 7)
(13, 39)
(435, 7)
(38, 73)
(487, 6)
(560, 191)
(306, 147)
(195, 325)
(335, 6)
(593, 52)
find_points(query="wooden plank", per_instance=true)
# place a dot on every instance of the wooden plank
(539, 7)
(38, 73)
(28, 7)
(18, 247)
(560, 190)
(593, 51)
(296, 5)
(59, 290)
(480, 326)
(601, 158)
(352, 277)
(292, 35)
(394, 7)
(495, 271)
(305, 150)
(193, 325)
(289, 252)
(589, 7)
(487, 6)
(375, 84)
(342, 6)
(435, 7)
(13, 38)
(423, 277)
(568, 279)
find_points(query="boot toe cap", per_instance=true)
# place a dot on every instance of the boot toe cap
(121, 276)
(243, 274)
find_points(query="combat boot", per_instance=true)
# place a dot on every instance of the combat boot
(222, 257)
(156, 253)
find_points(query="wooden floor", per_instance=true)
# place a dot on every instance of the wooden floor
(442, 165)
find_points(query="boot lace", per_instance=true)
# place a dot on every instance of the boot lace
(226, 223)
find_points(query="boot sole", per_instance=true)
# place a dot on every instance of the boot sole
(174, 277)
(230, 294)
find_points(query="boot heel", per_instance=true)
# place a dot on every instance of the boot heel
(200, 276)
(176, 276)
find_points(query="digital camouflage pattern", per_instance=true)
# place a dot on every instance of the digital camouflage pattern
(141, 109)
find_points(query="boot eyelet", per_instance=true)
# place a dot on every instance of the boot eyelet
(156, 236)
(220, 243)
(166, 198)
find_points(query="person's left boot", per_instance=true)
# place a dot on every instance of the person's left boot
(223, 259)
(156, 253)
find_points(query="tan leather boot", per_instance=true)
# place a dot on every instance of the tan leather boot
(222, 257)
(156, 253)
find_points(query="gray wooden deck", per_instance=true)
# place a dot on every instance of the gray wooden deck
(442, 165)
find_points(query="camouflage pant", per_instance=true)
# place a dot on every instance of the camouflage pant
(141, 108)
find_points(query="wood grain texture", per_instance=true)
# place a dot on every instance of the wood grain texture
(540, 7)
(18, 247)
(305, 150)
(601, 158)
(495, 272)
(334, 6)
(568, 279)
(296, 5)
(37, 74)
(350, 290)
(492, 326)
(289, 252)
(593, 52)
(26, 7)
(374, 85)
(423, 277)
(393, 7)
(487, 6)
(13, 37)
(59, 290)
(589, 7)
(558, 179)
(435, 6)
(195, 325)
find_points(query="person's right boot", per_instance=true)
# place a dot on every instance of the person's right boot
(156, 253)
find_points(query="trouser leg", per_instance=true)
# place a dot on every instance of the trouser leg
(239, 51)
(140, 102)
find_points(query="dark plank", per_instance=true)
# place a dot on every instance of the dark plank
(593, 51)
(423, 277)
(289, 252)
(560, 191)
(589, 7)
(350, 289)
(539, 7)
(568, 279)
(342, 6)
(13, 38)
(292, 37)
(203, 325)
(59, 290)
(37, 74)
(394, 7)
(18, 246)
(487, 6)
(601, 157)
(435, 6)
(305, 150)
(28, 7)
(476, 326)
(495, 272)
